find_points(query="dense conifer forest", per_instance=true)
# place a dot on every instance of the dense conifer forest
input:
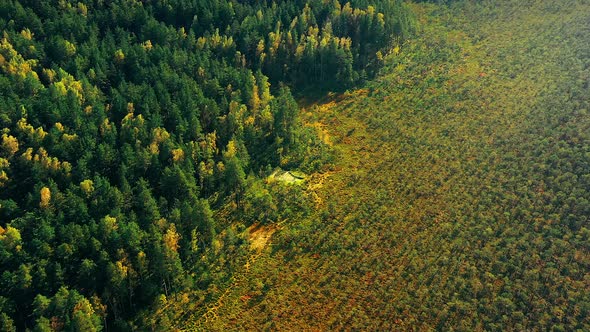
(294, 165)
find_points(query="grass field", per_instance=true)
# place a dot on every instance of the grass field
(459, 198)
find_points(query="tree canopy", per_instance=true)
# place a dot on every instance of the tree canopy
(130, 128)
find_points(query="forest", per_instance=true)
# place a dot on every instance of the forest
(303, 165)
(137, 136)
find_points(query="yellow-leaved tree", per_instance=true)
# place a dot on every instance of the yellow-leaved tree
(9, 145)
(45, 197)
(87, 187)
(171, 238)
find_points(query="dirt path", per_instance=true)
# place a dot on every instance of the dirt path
(259, 237)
